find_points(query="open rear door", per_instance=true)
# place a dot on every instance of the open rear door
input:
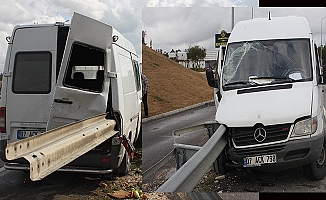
(82, 88)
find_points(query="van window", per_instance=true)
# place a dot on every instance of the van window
(32, 73)
(270, 61)
(136, 74)
(86, 68)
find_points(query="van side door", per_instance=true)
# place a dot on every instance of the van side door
(83, 86)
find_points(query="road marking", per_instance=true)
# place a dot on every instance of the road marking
(2, 169)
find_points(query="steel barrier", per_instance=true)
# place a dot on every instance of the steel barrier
(53, 149)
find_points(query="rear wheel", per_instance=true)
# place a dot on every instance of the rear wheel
(317, 170)
(124, 167)
(138, 142)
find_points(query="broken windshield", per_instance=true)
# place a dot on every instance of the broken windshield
(267, 62)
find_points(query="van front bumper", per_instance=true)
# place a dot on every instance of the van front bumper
(291, 154)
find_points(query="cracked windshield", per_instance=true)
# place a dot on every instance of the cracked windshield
(266, 62)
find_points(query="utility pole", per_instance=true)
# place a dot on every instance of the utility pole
(232, 22)
(252, 12)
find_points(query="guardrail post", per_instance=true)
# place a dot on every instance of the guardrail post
(184, 153)
(179, 157)
(211, 130)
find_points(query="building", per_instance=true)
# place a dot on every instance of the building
(211, 58)
(209, 61)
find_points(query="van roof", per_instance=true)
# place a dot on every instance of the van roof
(122, 41)
(40, 25)
(275, 28)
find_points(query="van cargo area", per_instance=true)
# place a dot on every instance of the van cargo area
(58, 75)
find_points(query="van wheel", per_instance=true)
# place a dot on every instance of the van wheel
(138, 143)
(317, 170)
(124, 167)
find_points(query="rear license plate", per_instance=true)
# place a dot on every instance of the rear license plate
(259, 160)
(21, 134)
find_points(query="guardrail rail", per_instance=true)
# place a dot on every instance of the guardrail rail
(53, 149)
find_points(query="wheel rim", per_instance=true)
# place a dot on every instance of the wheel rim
(321, 159)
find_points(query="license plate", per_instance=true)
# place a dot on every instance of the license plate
(21, 134)
(259, 160)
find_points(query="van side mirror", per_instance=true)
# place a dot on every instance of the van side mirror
(321, 79)
(213, 82)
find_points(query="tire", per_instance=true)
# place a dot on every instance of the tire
(138, 143)
(124, 167)
(317, 170)
(219, 165)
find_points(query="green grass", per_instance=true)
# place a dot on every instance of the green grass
(158, 98)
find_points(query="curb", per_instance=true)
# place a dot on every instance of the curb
(206, 103)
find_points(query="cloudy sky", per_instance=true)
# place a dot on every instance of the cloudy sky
(124, 15)
(178, 28)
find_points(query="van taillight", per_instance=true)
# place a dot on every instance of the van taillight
(2, 120)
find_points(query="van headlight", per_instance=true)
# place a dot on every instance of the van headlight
(305, 127)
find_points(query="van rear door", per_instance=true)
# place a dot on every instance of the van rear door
(82, 87)
(29, 75)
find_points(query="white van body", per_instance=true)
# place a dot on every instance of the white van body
(58, 74)
(271, 96)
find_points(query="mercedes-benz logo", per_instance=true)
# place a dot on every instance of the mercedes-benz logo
(260, 134)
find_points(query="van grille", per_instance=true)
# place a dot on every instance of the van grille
(258, 151)
(244, 136)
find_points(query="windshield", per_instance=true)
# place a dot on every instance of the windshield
(266, 62)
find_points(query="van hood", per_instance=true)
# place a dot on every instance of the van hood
(268, 105)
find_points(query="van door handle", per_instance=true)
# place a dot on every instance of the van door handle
(62, 101)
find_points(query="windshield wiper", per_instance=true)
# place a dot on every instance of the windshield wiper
(272, 77)
(237, 83)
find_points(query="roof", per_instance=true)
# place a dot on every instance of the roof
(275, 28)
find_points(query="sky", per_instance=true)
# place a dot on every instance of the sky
(123, 15)
(180, 27)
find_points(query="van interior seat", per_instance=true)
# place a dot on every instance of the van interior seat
(78, 76)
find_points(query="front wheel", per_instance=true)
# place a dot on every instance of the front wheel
(317, 170)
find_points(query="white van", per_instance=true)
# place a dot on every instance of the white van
(58, 74)
(270, 97)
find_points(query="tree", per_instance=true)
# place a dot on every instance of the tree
(195, 54)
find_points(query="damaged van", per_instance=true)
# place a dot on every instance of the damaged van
(57, 74)
(270, 97)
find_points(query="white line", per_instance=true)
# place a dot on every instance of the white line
(2, 169)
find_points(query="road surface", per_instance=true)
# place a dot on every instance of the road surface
(157, 134)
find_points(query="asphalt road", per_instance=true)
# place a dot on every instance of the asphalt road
(157, 134)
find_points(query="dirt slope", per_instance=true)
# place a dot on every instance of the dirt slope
(171, 85)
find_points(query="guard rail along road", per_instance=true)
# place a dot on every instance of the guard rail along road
(53, 149)
(192, 161)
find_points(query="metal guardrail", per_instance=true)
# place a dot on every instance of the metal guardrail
(187, 177)
(53, 149)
